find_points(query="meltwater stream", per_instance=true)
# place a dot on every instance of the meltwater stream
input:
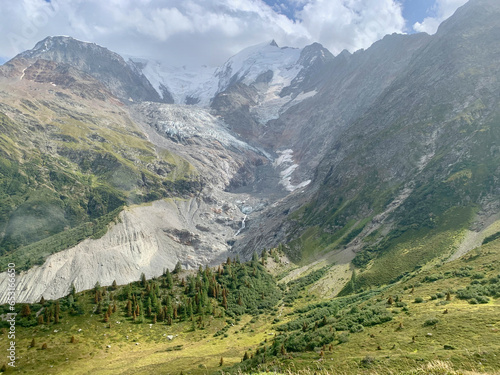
(242, 225)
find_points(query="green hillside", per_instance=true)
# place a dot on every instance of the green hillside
(238, 317)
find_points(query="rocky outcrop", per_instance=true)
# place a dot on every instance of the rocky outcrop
(106, 66)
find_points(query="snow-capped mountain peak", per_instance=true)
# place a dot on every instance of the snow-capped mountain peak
(255, 63)
(261, 63)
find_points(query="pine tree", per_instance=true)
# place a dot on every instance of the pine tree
(143, 280)
(114, 286)
(264, 257)
(33, 343)
(178, 268)
(44, 346)
(42, 301)
(169, 280)
(26, 311)
(390, 301)
(129, 308)
(40, 319)
(245, 356)
(224, 301)
(221, 362)
(353, 281)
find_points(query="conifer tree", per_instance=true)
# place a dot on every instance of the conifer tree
(33, 343)
(129, 308)
(26, 311)
(178, 268)
(114, 286)
(73, 340)
(353, 281)
(224, 301)
(169, 280)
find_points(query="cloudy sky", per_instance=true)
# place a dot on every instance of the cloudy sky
(209, 31)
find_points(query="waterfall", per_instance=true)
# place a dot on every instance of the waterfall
(242, 225)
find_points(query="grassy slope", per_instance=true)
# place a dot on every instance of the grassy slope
(384, 348)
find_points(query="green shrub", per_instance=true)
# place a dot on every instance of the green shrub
(431, 322)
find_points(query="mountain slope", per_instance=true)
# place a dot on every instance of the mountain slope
(404, 180)
(104, 65)
(63, 160)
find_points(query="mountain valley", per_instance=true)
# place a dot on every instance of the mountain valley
(290, 210)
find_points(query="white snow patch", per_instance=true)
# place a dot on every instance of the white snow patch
(285, 157)
(287, 165)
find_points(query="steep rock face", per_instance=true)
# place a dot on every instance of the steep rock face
(104, 65)
(145, 239)
(350, 86)
(416, 158)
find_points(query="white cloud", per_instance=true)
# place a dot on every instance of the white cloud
(351, 24)
(196, 31)
(441, 10)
